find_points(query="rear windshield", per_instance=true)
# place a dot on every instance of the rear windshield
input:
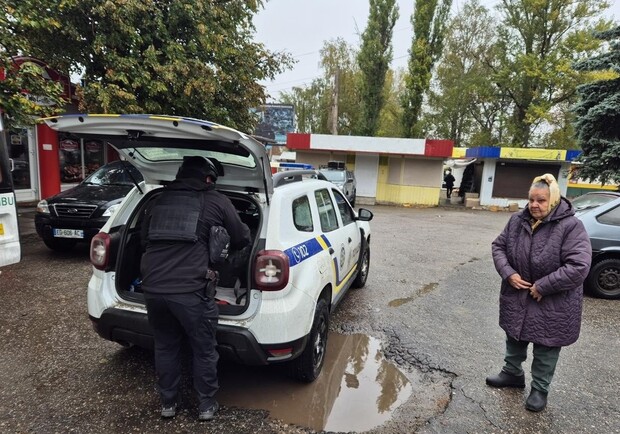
(592, 200)
(334, 175)
(174, 154)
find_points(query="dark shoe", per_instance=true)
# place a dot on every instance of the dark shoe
(537, 401)
(169, 412)
(209, 414)
(504, 379)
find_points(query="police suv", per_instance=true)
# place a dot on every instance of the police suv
(309, 245)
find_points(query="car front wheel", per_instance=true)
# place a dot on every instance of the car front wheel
(364, 265)
(308, 365)
(604, 279)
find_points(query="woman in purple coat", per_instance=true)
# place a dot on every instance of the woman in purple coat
(543, 256)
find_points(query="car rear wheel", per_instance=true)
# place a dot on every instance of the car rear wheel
(308, 365)
(604, 279)
(59, 245)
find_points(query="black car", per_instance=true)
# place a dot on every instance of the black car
(77, 214)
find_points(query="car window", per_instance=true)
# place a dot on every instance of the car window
(302, 215)
(592, 200)
(334, 175)
(114, 175)
(327, 213)
(345, 209)
(611, 217)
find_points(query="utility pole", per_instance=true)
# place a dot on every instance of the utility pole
(334, 111)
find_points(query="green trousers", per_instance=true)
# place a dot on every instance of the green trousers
(543, 365)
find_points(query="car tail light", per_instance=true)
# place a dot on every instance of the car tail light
(280, 353)
(100, 250)
(271, 270)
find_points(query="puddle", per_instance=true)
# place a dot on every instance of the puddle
(424, 290)
(357, 390)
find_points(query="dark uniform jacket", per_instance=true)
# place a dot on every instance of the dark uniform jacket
(556, 257)
(171, 267)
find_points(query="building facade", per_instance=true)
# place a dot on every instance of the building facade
(388, 170)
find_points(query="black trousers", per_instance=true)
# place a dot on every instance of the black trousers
(449, 191)
(171, 317)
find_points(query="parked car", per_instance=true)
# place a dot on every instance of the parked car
(588, 201)
(336, 172)
(600, 214)
(309, 245)
(77, 214)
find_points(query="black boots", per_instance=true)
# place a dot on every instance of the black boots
(537, 401)
(504, 379)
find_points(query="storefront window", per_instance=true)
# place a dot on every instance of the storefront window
(79, 158)
(19, 152)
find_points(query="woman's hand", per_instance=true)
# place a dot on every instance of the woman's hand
(535, 294)
(517, 282)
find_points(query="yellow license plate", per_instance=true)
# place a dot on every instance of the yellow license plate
(1, 229)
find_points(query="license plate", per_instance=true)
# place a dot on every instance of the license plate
(68, 233)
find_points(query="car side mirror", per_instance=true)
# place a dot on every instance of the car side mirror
(364, 215)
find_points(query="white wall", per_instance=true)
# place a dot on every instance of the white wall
(366, 173)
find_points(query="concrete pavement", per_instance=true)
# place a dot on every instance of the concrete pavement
(25, 220)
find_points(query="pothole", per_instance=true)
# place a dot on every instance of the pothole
(424, 290)
(358, 389)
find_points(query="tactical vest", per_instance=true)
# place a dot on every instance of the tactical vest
(176, 217)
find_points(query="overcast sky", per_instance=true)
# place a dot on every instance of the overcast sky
(301, 26)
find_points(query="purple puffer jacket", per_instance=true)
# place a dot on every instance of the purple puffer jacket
(556, 257)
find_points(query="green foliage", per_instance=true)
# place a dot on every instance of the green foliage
(25, 92)
(538, 41)
(374, 60)
(183, 57)
(309, 106)
(598, 114)
(391, 111)
(429, 26)
(342, 95)
(464, 105)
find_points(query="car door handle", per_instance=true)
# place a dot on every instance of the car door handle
(331, 250)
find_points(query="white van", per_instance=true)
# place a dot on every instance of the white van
(10, 249)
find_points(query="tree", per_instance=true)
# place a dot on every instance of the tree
(25, 92)
(598, 113)
(338, 63)
(538, 41)
(391, 112)
(429, 24)
(188, 58)
(374, 60)
(308, 103)
(464, 105)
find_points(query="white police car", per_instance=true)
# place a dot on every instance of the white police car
(309, 245)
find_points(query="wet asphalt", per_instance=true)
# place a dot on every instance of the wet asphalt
(429, 308)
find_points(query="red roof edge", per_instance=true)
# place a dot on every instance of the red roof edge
(298, 141)
(438, 148)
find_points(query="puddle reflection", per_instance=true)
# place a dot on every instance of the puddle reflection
(357, 390)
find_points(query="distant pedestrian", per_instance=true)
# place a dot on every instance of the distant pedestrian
(449, 180)
(543, 256)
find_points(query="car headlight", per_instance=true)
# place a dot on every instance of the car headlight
(108, 212)
(43, 207)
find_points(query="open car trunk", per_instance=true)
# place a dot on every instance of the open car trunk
(235, 274)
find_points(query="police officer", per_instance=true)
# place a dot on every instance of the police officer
(175, 271)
